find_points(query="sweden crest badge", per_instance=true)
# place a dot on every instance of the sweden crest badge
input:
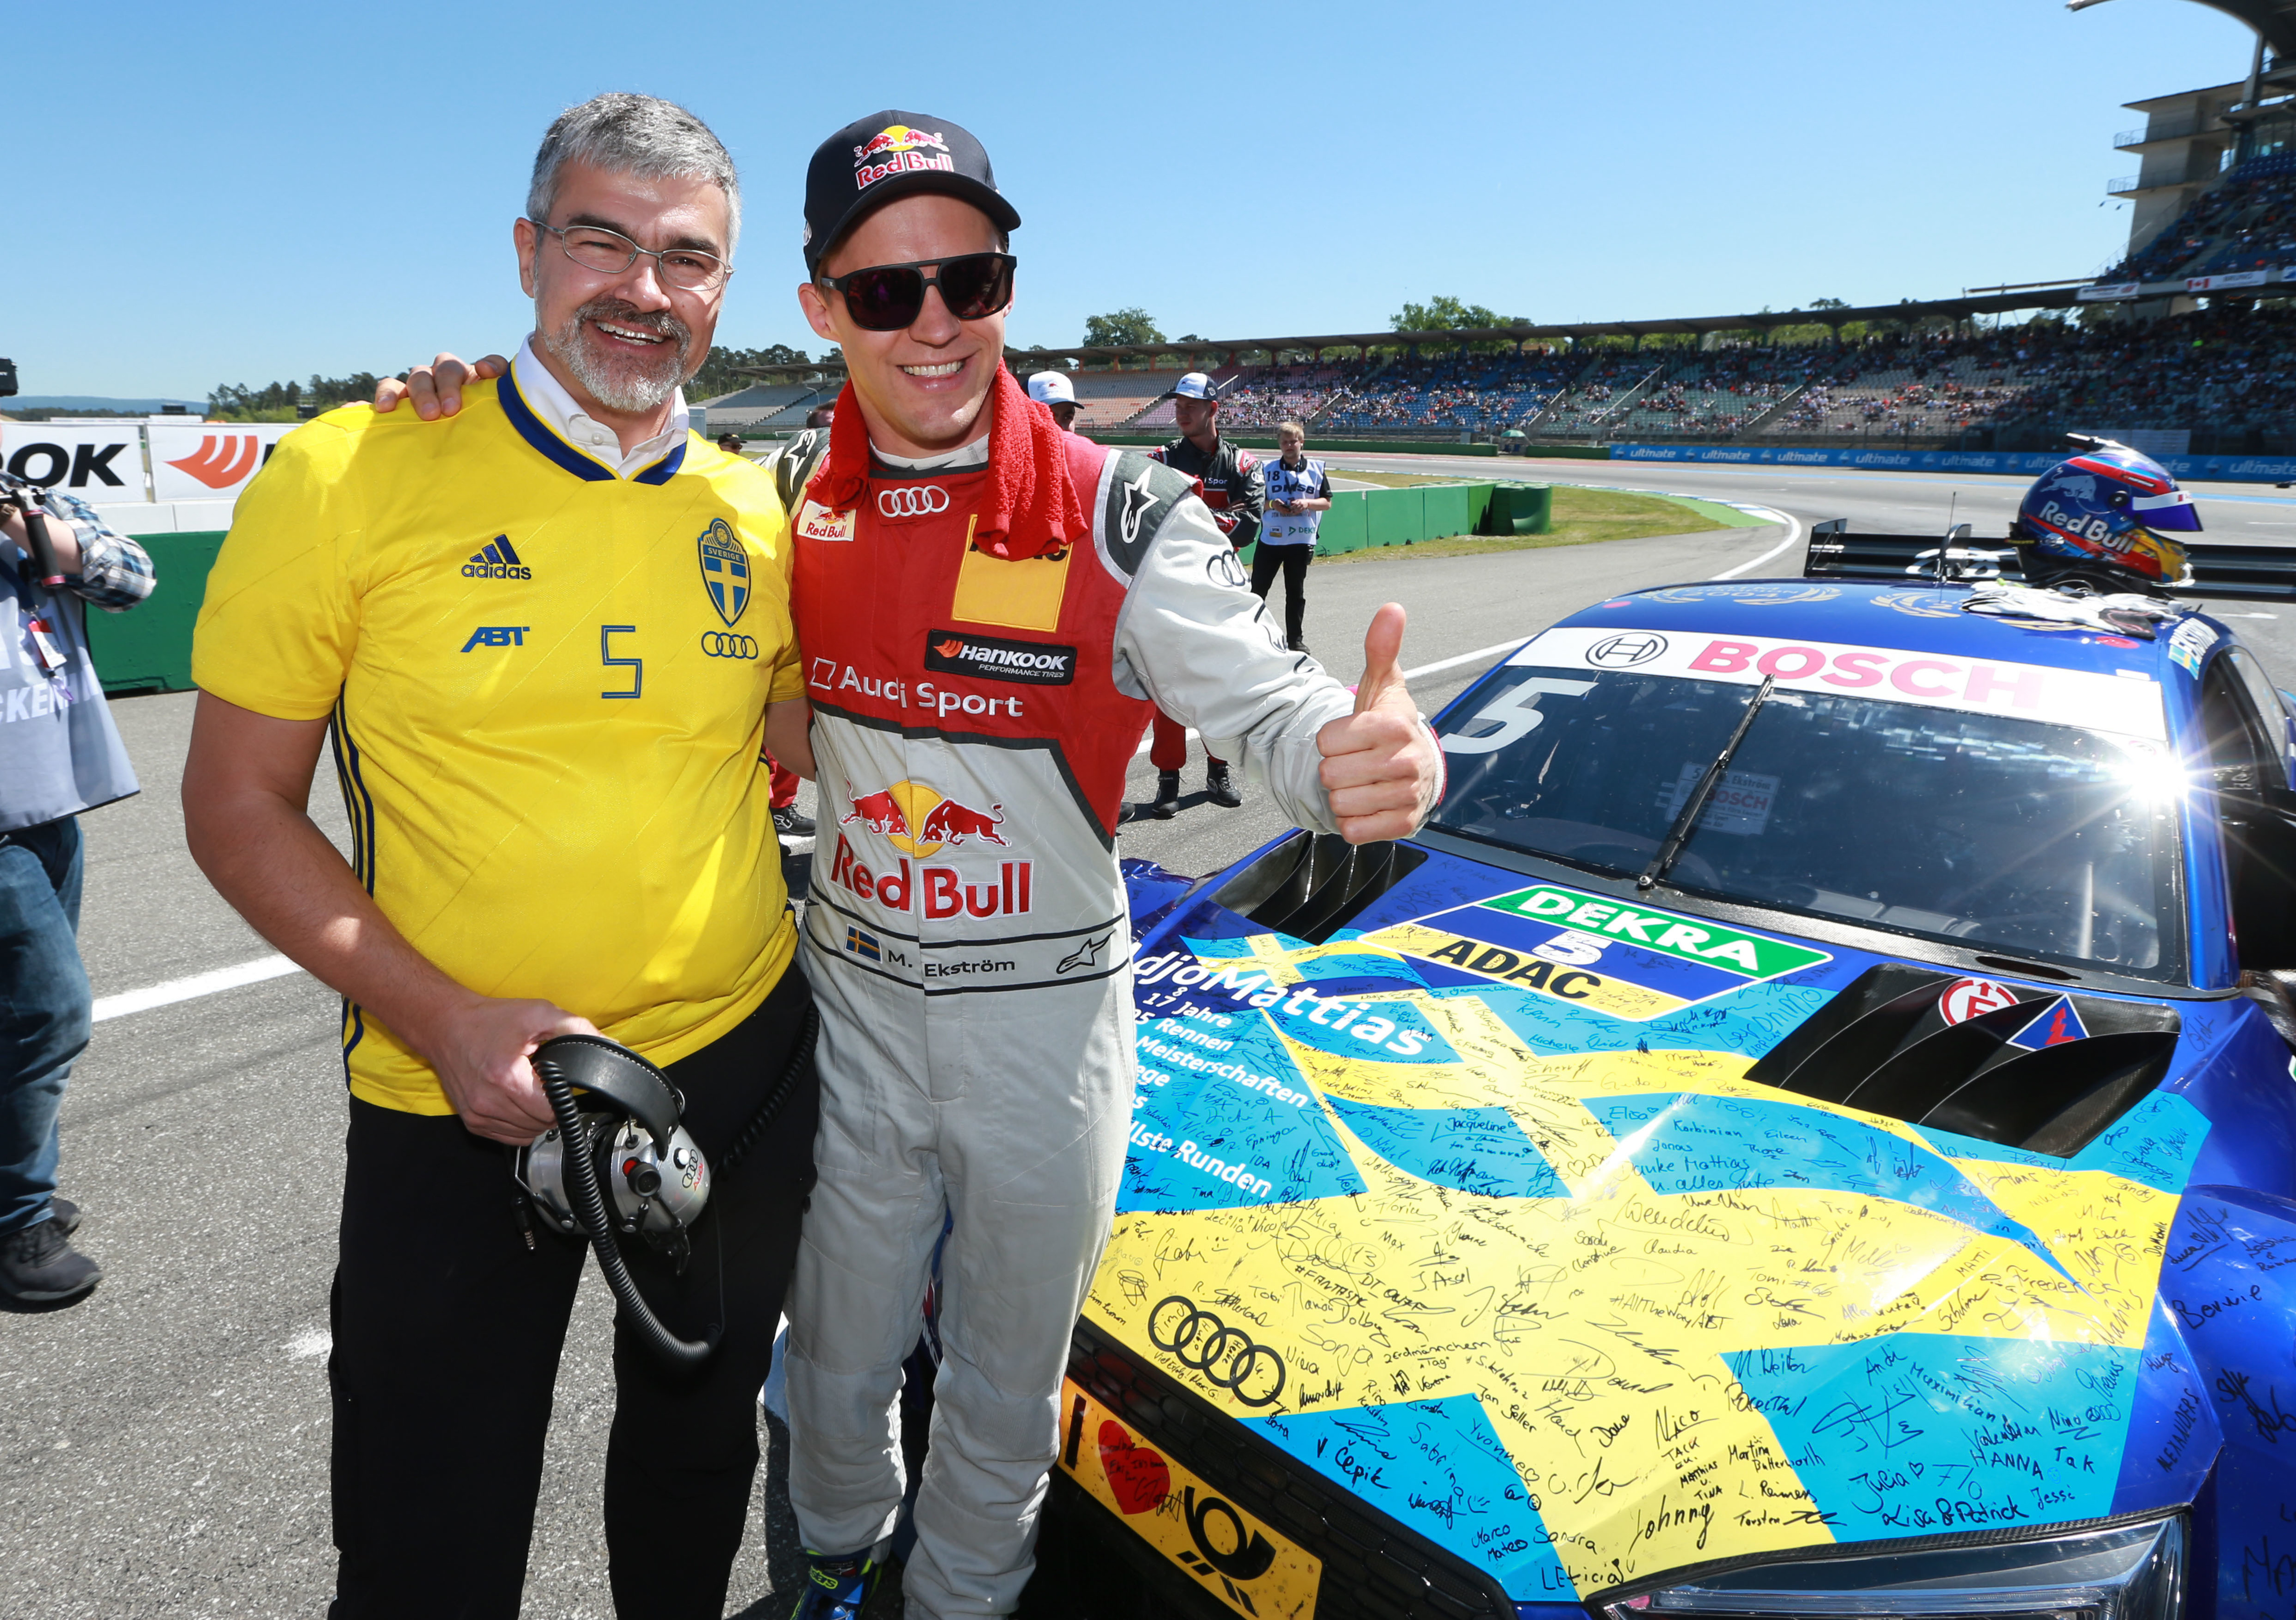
(724, 571)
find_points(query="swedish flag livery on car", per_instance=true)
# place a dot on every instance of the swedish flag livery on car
(1798, 1127)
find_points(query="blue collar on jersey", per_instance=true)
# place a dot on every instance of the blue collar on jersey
(530, 428)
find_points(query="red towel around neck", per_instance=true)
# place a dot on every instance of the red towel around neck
(1032, 505)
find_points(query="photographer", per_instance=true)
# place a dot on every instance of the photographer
(58, 755)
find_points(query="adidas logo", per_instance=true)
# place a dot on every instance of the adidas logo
(499, 561)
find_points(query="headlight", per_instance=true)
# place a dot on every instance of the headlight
(2133, 1573)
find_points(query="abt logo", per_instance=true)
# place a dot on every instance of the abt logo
(222, 459)
(497, 636)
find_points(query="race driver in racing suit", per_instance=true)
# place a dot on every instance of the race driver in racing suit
(988, 607)
(1228, 477)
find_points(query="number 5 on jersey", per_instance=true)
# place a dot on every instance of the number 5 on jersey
(636, 666)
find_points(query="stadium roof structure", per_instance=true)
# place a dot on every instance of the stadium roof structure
(2273, 21)
(2041, 296)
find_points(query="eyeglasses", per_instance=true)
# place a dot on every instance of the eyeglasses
(610, 253)
(889, 298)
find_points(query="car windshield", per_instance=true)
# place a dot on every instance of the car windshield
(2035, 840)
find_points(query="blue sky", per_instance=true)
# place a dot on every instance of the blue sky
(250, 192)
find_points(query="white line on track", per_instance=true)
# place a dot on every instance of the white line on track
(1793, 533)
(198, 984)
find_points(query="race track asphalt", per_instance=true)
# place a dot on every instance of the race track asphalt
(166, 1436)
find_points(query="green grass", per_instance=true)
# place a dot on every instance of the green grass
(1582, 517)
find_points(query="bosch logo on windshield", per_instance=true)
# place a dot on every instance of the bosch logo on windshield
(1625, 652)
(912, 501)
(1225, 1355)
(1037, 663)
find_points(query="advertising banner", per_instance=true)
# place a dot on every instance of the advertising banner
(99, 463)
(2236, 278)
(209, 460)
(2238, 469)
(2108, 291)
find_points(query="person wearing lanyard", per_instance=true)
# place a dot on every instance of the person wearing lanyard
(58, 755)
(1297, 497)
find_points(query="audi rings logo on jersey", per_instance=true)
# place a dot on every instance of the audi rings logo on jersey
(721, 643)
(912, 501)
(1225, 1355)
(1625, 652)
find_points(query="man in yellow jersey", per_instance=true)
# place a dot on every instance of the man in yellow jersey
(550, 640)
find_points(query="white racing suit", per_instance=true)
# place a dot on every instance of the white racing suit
(967, 941)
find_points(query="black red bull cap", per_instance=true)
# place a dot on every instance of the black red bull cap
(888, 155)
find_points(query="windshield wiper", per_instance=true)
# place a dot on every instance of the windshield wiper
(1678, 834)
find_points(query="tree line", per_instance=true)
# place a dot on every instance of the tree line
(720, 374)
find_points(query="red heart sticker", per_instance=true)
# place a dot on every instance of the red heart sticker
(1136, 1474)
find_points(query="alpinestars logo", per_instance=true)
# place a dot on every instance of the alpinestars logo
(1035, 663)
(499, 561)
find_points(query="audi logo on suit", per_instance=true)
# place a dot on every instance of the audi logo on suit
(720, 643)
(912, 501)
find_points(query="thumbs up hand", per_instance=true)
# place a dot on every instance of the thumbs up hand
(1382, 769)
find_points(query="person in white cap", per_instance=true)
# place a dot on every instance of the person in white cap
(1227, 476)
(1051, 389)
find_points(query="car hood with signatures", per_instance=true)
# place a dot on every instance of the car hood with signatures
(1476, 1210)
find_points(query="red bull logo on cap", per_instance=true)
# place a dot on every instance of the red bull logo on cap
(899, 138)
(899, 149)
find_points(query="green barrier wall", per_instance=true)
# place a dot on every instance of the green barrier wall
(1323, 448)
(1575, 452)
(149, 647)
(1360, 518)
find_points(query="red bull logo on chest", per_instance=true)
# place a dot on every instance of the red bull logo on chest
(918, 820)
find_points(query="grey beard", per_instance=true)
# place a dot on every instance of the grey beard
(621, 386)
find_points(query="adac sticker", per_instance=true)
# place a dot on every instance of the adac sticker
(724, 571)
(1628, 961)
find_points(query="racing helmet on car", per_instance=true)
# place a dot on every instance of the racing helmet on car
(2105, 516)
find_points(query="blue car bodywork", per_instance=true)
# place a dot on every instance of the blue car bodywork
(1502, 1234)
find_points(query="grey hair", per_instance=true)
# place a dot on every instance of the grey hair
(636, 134)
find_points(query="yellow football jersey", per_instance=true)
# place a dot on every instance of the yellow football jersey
(547, 687)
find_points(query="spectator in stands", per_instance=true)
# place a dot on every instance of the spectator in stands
(1228, 475)
(1297, 497)
(1054, 390)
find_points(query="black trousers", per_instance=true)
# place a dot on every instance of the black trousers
(1292, 560)
(446, 1335)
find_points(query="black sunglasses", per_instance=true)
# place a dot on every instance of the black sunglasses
(889, 298)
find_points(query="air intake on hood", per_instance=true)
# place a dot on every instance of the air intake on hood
(1312, 885)
(2041, 1071)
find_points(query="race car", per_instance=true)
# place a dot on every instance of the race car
(1807, 1128)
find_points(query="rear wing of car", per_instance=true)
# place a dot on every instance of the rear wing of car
(2242, 573)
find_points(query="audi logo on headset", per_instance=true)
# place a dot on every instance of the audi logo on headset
(1226, 1356)
(912, 501)
(718, 644)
